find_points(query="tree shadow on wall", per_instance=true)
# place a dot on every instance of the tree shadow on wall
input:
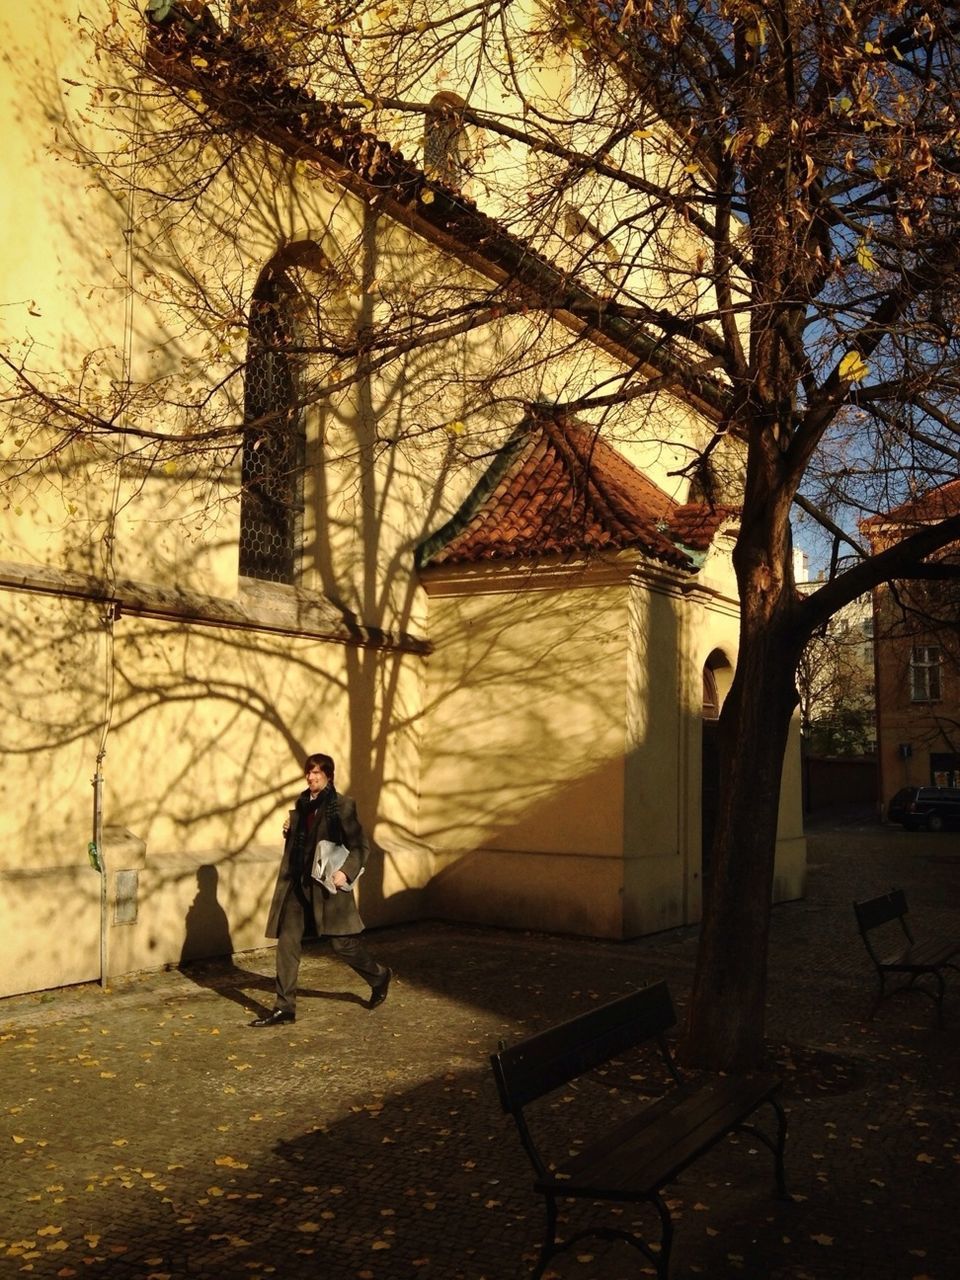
(222, 712)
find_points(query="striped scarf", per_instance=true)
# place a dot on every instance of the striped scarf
(309, 810)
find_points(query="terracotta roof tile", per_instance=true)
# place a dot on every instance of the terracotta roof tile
(557, 488)
(695, 525)
(935, 504)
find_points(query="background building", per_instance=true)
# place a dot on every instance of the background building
(835, 681)
(918, 658)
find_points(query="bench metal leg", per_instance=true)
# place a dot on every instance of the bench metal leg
(913, 984)
(941, 988)
(883, 991)
(666, 1239)
(782, 1191)
(776, 1147)
(549, 1246)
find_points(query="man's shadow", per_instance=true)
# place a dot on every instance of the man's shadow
(206, 956)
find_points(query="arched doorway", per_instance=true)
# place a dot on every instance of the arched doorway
(717, 676)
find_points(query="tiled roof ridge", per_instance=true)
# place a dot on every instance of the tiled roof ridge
(694, 525)
(557, 487)
(485, 486)
(194, 53)
(918, 508)
(591, 457)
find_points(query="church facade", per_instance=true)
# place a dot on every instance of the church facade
(304, 471)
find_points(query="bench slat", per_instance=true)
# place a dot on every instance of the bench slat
(882, 910)
(930, 953)
(651, 1148)
(543, 1062)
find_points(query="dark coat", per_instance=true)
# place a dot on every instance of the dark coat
(335, 913)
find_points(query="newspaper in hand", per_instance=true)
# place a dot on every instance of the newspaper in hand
(328, 860)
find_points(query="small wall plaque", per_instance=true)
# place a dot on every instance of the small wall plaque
(125, 906)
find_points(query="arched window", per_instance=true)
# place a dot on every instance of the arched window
(711, 699)
(446, 147)
(271, 500)
(717, 678)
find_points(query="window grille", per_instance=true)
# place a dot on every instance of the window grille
(925, 673)
(271, 501)
(711, 699)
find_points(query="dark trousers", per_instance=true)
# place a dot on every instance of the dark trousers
(348, 947)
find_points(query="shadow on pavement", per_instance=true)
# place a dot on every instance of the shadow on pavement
(150, 1132)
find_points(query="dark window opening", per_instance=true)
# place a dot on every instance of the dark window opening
(925, 673)
(271, 501)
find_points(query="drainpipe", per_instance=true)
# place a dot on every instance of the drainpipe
(97, 861)
(112, 610)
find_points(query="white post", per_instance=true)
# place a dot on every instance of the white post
(99, 863)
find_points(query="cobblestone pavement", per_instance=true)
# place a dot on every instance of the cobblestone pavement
(148, 1133)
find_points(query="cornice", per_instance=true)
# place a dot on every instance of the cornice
(262, 607)
(551, 573)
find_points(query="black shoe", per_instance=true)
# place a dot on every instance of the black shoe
(379, 993)
(275, 1018)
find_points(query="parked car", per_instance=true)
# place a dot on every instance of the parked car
(931, 808)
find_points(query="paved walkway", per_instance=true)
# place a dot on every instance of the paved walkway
(149, 1133)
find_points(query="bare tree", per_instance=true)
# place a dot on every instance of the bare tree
(835, 691)
(753, 205)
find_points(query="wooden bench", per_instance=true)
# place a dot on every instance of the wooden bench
(635, 1159)
(927, 957)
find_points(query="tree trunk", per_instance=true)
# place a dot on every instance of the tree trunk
(726, 1023)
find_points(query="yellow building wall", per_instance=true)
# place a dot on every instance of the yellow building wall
(659, 766)
(561, 772)
(106, 552)
(207, 730)
(504, 777)
(522, 786)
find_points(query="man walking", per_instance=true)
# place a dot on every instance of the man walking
(300, 903)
